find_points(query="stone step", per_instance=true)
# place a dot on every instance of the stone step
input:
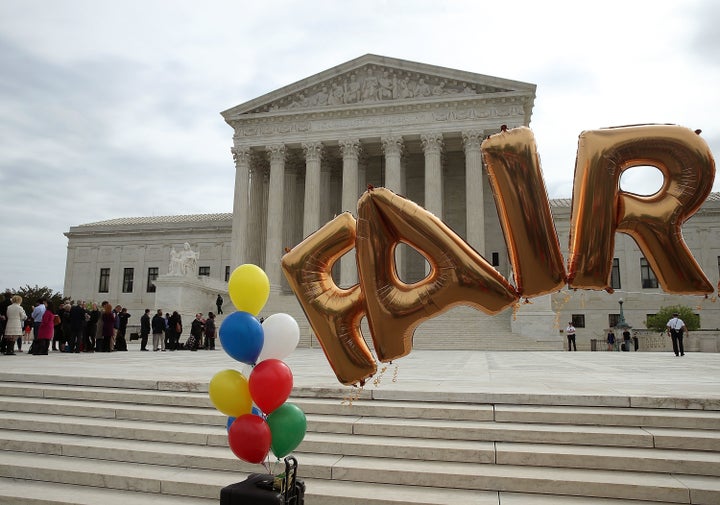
(557, 481)
(545, 414)
(451, 476)
(32, 492)
(197, 432)
(608, 416)
(671, 461)
(26, 492)
(315, 445)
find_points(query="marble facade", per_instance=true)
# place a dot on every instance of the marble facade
(306, 152)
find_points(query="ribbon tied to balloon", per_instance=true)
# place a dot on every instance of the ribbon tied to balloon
(260, 418)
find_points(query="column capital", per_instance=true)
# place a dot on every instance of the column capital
(432, 142)
(276, 152)
(241, 155)
(472, 139)
(392, 145)
(350, 148)
(313, 151)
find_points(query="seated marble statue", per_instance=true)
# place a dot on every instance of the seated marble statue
(188, 260)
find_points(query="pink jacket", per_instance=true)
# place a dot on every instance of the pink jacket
(47, 326)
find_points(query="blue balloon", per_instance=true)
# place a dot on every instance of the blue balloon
(242, 337)
(255, 411)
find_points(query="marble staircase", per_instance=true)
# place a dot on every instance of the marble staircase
(462, 328)
(76, 441)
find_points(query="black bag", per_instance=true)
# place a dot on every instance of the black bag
(260, 489)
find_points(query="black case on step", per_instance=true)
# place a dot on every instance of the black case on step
(257, 489)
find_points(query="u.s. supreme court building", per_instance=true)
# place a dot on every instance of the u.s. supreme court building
(306, 152)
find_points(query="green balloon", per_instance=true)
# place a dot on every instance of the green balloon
(287, 426)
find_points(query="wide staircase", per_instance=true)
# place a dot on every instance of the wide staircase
(69, 440)
(461, 328)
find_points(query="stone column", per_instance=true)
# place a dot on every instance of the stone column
(432, 146)
(350, 149)
(239, 254)
(276, 197)
(254, 233)
(291, 217)
(313, 156)
(474, 200)
(393, 147)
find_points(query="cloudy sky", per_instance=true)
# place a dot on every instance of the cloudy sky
(110, 108)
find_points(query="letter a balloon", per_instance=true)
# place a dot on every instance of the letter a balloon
(249, 288)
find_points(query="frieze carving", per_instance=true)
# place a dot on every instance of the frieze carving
(280, 127)
(374, 83)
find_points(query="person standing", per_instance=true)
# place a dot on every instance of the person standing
(37, 315)
(120, 342)
(570, 332)
(7, 301)
(77, 327)
(158, 325)
(46, 332)
(219, 303)
(196, 333)
(676, 328)
(91, 328)
(13, 324)
(210, 332)
(108, 329)
(144, 329)
(175, 323)
(611, 340)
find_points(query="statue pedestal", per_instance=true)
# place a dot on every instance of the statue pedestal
(537, 320)
(188, 295)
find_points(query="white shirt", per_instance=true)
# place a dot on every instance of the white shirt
(570, 330)
(675, 323)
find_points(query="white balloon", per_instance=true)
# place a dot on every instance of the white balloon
(282, 335)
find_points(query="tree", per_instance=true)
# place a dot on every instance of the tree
(658, 322)
(31, 295)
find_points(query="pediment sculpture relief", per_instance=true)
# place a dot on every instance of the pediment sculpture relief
(375, 84)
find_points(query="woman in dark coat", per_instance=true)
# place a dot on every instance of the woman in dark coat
(108, 327)
(175, 329)
(91, 328)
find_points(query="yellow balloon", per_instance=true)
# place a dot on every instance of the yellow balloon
(249, 288)
(230, 394)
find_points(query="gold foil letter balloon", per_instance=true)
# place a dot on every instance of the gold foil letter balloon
(600, 208)
(521, 199)
(458, 274)
(333, 313)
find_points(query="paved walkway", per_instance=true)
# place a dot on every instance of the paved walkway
(446, 374)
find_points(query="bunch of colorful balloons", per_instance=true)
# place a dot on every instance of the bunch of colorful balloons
(259, 417)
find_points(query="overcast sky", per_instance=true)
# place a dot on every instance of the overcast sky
(112, 108)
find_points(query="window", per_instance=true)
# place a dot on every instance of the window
(578, 320)
(152, 275)
(227, 273)
(104, 286)
(495, 259)
(128, 275)
(615, 274)
(204, 271)
(647, 276)
(613, 320)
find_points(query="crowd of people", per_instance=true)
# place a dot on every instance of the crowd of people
(76, 327)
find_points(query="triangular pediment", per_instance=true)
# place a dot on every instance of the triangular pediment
(376, 80)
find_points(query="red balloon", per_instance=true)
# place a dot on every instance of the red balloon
(270, 384)
(249, 438)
